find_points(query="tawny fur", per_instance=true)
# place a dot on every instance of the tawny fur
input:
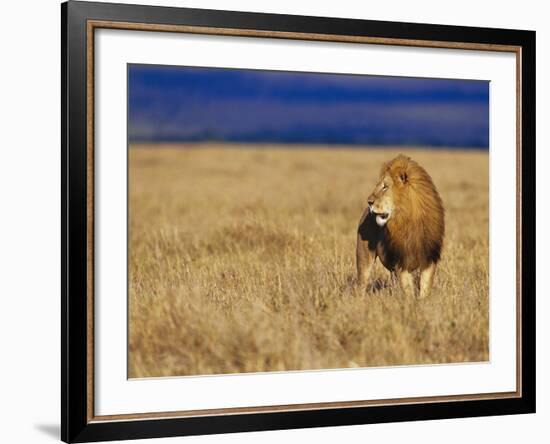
(412, 238)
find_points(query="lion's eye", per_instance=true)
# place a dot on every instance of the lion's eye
(385, 187)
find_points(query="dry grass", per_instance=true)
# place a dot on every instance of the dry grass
(243, 260)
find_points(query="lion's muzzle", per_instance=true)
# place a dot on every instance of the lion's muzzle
(381, 218)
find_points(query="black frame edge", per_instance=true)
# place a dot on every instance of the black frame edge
(64, 145)
(143, 429)
(74, 423)
(528, 287)
(296, 23)
(74, 244)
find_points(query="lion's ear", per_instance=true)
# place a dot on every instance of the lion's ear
(403, 177)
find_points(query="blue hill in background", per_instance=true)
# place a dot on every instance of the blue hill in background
(187, 104)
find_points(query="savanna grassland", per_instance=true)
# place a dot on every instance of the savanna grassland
(243, 260)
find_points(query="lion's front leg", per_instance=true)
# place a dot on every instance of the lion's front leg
(406, 281)
(365, 261)
(366, 254)
(427, 280)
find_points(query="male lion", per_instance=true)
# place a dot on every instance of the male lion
(403, 225)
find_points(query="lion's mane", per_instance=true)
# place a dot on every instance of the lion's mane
(414, 235)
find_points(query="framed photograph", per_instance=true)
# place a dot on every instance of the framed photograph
(275, 221)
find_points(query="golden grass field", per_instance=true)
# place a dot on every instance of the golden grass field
(243, 260)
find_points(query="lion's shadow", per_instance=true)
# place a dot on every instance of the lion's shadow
(374, 286)
(379, 284)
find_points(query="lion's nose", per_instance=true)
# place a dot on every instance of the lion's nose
(370, 201)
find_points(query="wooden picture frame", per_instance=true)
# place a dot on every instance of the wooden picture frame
(80, 20)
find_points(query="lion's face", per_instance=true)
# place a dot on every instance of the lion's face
(381, 200)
